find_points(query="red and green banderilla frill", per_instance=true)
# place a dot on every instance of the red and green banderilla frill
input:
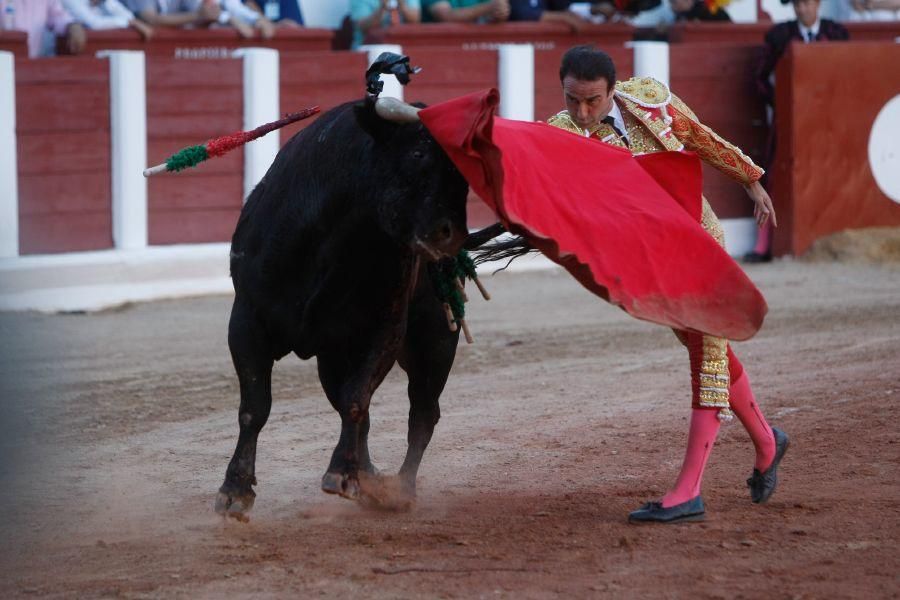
(194, 155)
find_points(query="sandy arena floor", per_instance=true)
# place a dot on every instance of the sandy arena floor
(565, 415)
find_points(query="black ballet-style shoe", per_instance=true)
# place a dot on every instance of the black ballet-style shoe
(756, 257)
(653, 512)
(762, 485)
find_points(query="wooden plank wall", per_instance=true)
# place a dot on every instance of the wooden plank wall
(63, 151)
(323, 79)
(717, 82)
(189, 102)
(63, 110)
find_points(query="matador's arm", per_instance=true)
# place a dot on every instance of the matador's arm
(711, 148)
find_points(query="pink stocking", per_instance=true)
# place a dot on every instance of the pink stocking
(744, 405)
(764, 239)
(702, 436)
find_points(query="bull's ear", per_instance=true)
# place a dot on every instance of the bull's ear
(371, 123)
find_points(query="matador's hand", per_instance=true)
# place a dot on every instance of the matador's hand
(762, 208)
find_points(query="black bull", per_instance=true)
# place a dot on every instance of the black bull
(328, 260)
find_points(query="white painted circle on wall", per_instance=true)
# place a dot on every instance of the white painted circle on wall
(884, 149)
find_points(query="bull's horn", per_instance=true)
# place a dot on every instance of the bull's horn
(391, 109)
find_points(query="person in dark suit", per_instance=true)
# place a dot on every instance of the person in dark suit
(806, 28)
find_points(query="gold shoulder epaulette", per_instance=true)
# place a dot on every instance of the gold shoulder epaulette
(562, 120)
(644, 91)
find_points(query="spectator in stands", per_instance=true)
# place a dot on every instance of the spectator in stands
(466, 11)
(697, 10)
(640, 13)
(372, 14)
(202, 13)
(40, 18)
(806, 28)
(872, 10)
(284, 13)
(545, 11)
(106, 14)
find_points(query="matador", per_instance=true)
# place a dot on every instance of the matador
(642, 115)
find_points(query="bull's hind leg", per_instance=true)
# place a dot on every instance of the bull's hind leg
(427, 357)
(253, 360)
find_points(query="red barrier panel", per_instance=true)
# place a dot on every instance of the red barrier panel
(189, 102)
(324, 79)
(754, 33)
(827, 99)
(15, 42)
(204, 43)
(62, 111)
(717, 82)
(467, 36)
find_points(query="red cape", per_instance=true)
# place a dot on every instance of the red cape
(628, 228)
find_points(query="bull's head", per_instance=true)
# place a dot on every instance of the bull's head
(421, 196)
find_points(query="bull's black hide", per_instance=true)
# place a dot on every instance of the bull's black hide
(328, 261)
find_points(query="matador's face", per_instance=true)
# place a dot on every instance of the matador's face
(588, 102)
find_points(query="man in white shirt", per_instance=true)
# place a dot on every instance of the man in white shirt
(202, 13)
(106, 14)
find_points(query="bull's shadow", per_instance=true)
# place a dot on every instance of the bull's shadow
(328, 260)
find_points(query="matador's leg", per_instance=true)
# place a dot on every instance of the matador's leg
(740, 394)
(704, 353)
(718, 381)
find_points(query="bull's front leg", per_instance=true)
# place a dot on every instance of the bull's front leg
(429, 349)
(349, 386)
(351, 372)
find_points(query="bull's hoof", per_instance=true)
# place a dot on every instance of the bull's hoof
(341, 484)
(386, 492)
(235, 504)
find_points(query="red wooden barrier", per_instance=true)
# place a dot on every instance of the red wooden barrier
(717, 82)
(189, 102)
(754, 33)
(324, 79)
(15, 42)
(205, 43)
(466, 36)
(827, 99)
(62, 111)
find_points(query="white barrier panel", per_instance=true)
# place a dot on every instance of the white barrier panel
(651, 59)
(9, 176)
(392, 87)
(261, 106)
(128, 133)
(516, 78)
